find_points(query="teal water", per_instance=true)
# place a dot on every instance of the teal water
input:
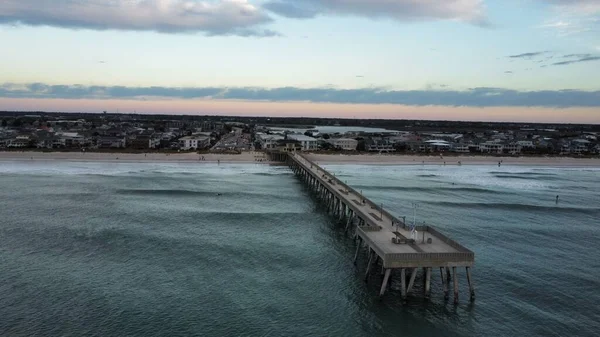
(165, 249)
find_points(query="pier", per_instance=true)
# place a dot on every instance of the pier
(385, 240)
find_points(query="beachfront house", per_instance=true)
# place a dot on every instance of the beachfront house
(491, 147)
(194, 142)
(377, 144)
(104, 142)
(347, 144)
(308, 143)
(268, 141)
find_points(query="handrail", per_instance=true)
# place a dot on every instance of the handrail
(468, 253)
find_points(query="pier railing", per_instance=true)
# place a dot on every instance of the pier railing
(464, 253)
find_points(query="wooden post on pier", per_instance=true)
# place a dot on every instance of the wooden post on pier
(403, 284)
(348, 221)
(427, 282)
(369, 264)
(386, 278)
(471, 287)
(413, 275)
(444, 282)
(455, 279)
(357, 250)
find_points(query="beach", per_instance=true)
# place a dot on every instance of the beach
(376, 159)
(244, 157)
(256, 156)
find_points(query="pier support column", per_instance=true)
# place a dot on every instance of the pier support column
(385, 281)
(369, 264)
(455, 279)
(471, 286)
(444, 282)
(347, 223)
(357, 250)
(448, 278)
(413, 275)
(403, 284)
(427, 283)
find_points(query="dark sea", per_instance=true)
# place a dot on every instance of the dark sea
(167, 249)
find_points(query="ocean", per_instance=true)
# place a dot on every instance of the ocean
(168, 249)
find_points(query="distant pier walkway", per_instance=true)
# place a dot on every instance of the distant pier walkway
(388, 241)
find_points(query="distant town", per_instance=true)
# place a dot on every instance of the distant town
(45, 131)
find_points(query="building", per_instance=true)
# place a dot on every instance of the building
(462, 148)
(194, 142)
(111, 142)
(512, 148)
(308, 143)
(268, 141)
(491, 147)
(380, 145)
(347, 144)
(437, 145)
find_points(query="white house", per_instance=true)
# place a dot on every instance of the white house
(525, 143)
(308, 143)
(194, 142)
(491, 147)
(268, 141)
(462, 148)
(348, 144)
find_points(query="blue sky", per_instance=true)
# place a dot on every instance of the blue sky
(447, 53)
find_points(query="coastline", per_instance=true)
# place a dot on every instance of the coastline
(244, 157)
(325, 159)
(376, 159)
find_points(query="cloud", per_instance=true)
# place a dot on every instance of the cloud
(588, 58)
(473, 97)
(290, 10)
(574, 17)
(213, 17)
(508, 72)
(471, 11)
(528, 55)
(580, 6)
(576, 55)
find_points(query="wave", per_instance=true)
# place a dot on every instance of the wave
(169, 192)
(267, 174)
(457, 189)
(426, 175)
(225, 195)
(525, 176)
(523, 173)
(515, 207)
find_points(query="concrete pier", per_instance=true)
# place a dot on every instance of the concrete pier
(387, 238)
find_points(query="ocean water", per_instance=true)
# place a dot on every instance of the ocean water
(167, 249)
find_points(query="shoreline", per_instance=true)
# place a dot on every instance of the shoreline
(189, 157)
(369, 159)
(321, 159)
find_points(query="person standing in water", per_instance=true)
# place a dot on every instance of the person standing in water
(557, 199)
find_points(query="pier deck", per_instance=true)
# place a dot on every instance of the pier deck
(389, 239)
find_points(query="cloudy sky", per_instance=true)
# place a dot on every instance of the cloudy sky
(521, 60)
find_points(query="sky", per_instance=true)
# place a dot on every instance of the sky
(491, 60)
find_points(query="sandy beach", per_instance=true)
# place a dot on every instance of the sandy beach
(376, 159)
(259, 157)
(245, 157)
